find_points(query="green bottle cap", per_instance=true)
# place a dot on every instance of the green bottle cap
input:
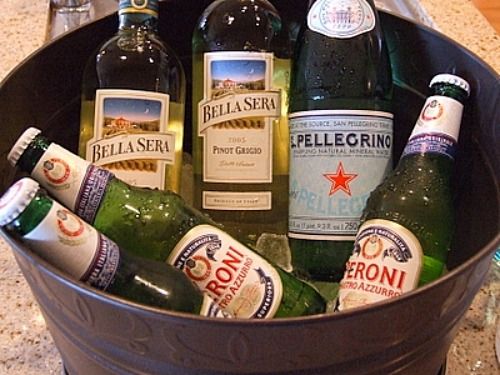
(16, 199)
(148, 7)
(451, 79)
(22, 144)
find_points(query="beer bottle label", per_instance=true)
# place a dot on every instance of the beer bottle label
(210, 309)
(132, 137)
(76, 248)
(235, 121)
(75, 182)
(386, 262)
(62, 174)
(437, 127)
(237, 279)
(336, 159)
(341, 19)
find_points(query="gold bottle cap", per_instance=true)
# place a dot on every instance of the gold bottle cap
(21, 145)
(452, 79)
(16, 199)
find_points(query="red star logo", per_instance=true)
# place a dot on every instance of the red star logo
(340, 180)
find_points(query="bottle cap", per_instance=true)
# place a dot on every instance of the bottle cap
(452, 79)
(16, 199)
(22, 144)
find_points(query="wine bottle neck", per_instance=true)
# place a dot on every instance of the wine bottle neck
(138, 15)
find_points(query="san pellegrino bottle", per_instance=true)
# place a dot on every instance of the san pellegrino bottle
(77, 249)
(159, 225)
(341, 131)
(133, 95)
(408, 220)
(241, 68)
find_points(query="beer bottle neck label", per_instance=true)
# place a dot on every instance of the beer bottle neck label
(75, 182)
(73, 246)
(437, 127)
(61, 173)
(386, 262)
(236, 278)
(341, 19)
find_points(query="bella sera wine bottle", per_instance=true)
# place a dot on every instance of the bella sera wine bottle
(408, 220)
(341, 131)
(241, 67)
(160, 225)
(132, 114)
(78, 250)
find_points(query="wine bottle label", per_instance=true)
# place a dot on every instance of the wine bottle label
(74, 247)
(239, 281)
(386, 262)
(62, 173)
(236, 120)
(132, 136)
(437, 127)
(341, 19)
(336, 159)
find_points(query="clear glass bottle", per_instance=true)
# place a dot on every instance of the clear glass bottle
(407, 225)
(160, 225)
(78, 250)
(241, 68)
(133, 96)
(341, 131)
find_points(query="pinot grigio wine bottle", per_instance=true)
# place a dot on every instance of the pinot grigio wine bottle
(241, 69)
(341, 130)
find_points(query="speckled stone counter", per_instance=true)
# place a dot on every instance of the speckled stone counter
(26, 347)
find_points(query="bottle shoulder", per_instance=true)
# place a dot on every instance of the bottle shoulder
(239, 25)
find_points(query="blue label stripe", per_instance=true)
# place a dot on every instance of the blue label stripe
(101, 272)
(431, 143)
(91, 192)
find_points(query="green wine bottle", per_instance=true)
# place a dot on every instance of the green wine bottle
(133, 96)
(341, 131)
(241, 69)
(408, 221)
(77, 249)
(159, 225)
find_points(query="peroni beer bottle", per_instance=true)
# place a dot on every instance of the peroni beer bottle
(408, 220)
(159, 225)
(77, 249)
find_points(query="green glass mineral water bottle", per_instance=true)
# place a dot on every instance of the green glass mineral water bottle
(341, 130)
(133, 95)
(77, 249)
(407, 225)
(159, 225)
(241, 70)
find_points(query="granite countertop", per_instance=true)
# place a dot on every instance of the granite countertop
(26, 347)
